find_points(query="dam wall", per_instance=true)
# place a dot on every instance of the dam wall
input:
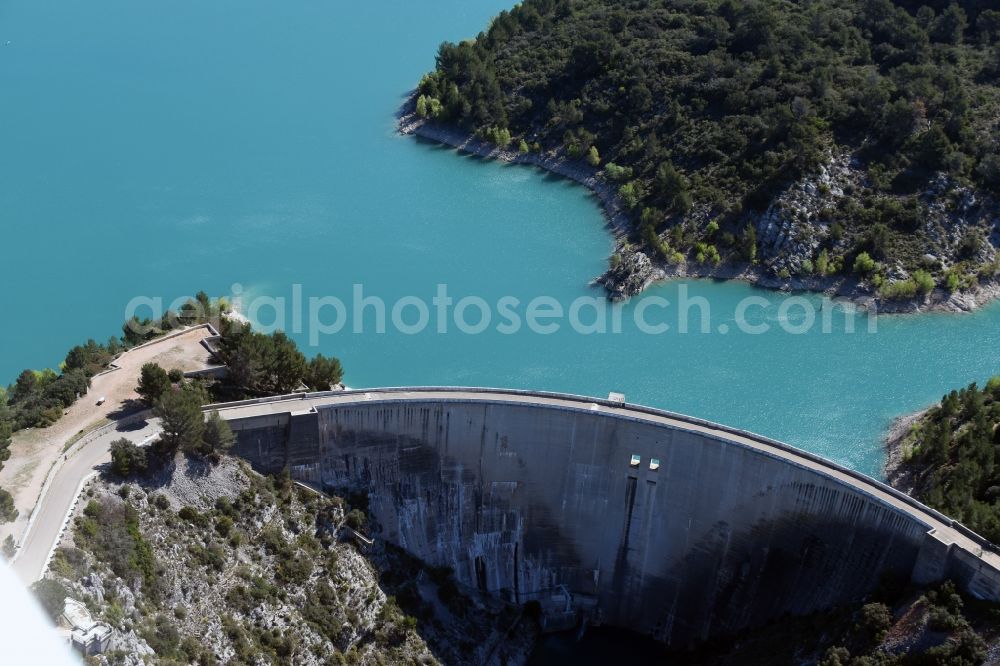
(652, 522)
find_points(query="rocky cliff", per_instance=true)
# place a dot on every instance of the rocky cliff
(207, 564)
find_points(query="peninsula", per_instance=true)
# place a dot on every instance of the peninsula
(833, 146)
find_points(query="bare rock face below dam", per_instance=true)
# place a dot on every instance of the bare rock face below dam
(622, 515)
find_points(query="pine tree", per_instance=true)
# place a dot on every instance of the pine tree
(154, 382)
(180, 414)
(218, 436)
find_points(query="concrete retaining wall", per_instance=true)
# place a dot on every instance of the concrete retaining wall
(520, 499)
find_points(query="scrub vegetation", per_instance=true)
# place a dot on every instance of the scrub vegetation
(198, 563)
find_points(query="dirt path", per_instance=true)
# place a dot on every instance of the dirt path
(35, 451)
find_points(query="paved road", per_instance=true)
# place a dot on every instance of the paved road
(34, 451)
(304, 402)
(52, 512)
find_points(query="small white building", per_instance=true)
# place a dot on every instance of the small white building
(87, 636)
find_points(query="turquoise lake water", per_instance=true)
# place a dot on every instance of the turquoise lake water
(160, 148)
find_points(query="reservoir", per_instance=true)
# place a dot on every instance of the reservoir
(155, 149)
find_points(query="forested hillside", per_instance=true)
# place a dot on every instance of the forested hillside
(705, 114)
(950, 458)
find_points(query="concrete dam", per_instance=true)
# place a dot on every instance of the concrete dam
(613, 513)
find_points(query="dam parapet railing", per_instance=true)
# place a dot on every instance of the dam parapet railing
(384, 395)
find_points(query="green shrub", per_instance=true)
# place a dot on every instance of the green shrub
(706, 253)
(213, 556)
(114, 614)
(631, 193)
(899, 290)
(260, 364)
(193, 516)
(617, 173)
(823, 266)
(295, 569)
(323, 372)
(154, 382)
(274, 541)
(93, 509)
(69, 563)
(864, 264)
(924, 282)
(7, 511)
(498, 135)
(224, 525)
(876, 619)
(163, 637)
(225, 507)
(356, 519)
(428, 107)
(920, 283)
(10, 549)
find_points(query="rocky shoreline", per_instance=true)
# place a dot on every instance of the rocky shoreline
(895, 472)
(614, 211)
(634, 270)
